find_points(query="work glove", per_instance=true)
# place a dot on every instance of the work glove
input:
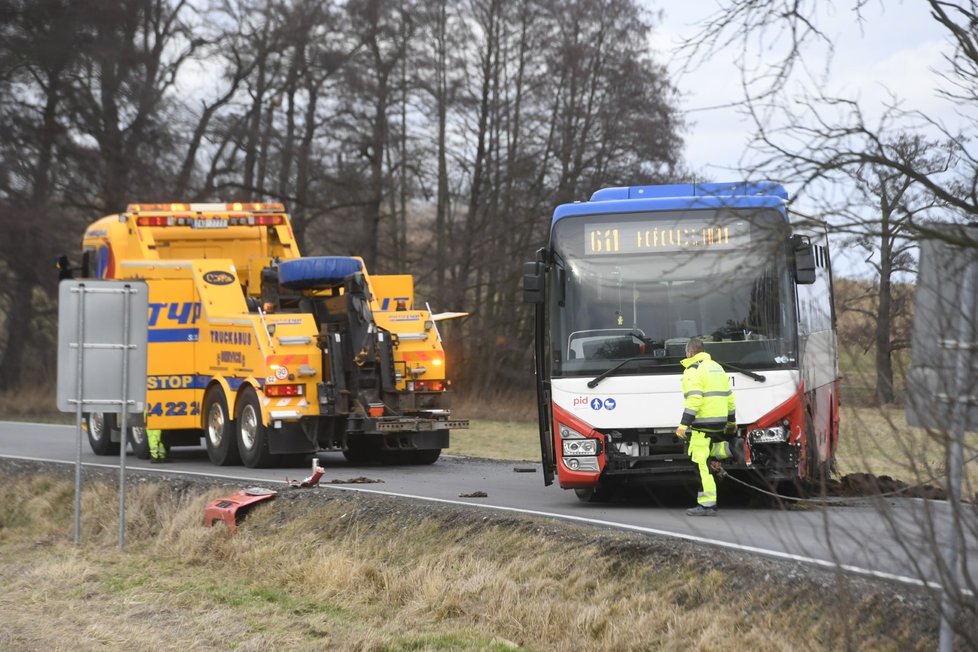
(730, 430)
(681, 431)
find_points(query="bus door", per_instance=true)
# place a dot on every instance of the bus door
(534, 283)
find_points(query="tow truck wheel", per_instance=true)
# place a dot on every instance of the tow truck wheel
(219, 431)
(427, 456)
(358, 454)
(252, 434)
(139, 442)
(100, 426)
(410, 456)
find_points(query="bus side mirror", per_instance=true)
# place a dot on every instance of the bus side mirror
(533, 282)
(804, 260)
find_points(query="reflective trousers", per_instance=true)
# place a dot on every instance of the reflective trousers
(154, 438)
(700, 450)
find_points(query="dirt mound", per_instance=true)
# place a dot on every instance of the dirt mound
(866, 485)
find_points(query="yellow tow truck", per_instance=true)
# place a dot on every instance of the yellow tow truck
(266, 355)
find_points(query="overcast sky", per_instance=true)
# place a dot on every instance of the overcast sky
(897, 48)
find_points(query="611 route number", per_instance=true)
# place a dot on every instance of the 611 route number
(173, 409)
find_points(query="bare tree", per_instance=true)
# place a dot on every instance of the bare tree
(430, 137)
(371, 80)
(818, 133)
(41, 50)
(882, 223)
(119, 99)
(905, 160)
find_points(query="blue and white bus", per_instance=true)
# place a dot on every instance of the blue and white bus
(628, 278)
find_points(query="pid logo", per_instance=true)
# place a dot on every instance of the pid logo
(607, 404)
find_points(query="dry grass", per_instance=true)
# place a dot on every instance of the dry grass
(879, 441)
(501, 440)
(33, 404)
(503, 406)
(320, 572)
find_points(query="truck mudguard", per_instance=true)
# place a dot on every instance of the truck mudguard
(316, 271)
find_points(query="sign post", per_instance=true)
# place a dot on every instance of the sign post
(102, 339)
(940, 388)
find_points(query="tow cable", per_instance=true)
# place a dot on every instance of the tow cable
(717, 469)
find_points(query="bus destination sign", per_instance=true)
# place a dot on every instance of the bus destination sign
(687, 236)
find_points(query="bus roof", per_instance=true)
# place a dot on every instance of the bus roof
(684, 196)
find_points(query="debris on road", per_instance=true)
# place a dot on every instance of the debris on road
(311, 481)
(524, 469)
(359, 480)
(474, 494)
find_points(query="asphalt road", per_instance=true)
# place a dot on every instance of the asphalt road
(896, 538)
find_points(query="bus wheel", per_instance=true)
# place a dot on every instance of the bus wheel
(597, 494)
(219, 429)
(252, 434)
(815, 470)
(100, 427)
(139, 442)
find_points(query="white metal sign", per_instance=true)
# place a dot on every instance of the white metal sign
(96, 354)
(102, 337)
(944, 360)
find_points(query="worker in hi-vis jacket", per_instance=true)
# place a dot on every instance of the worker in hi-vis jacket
(709, 413)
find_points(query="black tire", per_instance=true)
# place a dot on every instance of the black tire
(100, 427)
(139, 442)
(814, 469)
(424, 457)
(219, 431)
(252, 433)
(356, 453)
(409, 457)
(599, 494)
(817, 473)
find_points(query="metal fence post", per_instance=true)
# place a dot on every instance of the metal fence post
(79, 396)
(123, 421)
(964, 342)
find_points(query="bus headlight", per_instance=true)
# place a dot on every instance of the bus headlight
(774, 435)
(580, 447)
(574, 444)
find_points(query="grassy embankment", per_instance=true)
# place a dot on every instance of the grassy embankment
(322, 570)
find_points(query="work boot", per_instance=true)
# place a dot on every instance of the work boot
(158, 460)
(700, 510)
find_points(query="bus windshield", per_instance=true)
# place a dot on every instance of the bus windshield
(640, 285)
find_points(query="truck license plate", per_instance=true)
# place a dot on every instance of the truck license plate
(210, 223)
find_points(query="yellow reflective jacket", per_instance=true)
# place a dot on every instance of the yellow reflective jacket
(708, 401)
